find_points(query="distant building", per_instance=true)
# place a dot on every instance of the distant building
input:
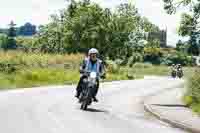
(27, 29)
(160, 35)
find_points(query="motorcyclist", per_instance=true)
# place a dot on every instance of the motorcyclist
(173, 68)
(90, 63)
(179, 67)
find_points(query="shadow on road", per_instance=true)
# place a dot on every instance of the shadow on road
(96, 110)
(170, 105)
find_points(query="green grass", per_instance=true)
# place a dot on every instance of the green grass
(24, 70)
(154, 70)
(159, 70)
(46, 76)
(190, 102)
(38, 77)
(192, 97)
(32, 77)
(19, 60)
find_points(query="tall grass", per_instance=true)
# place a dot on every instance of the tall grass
(149, 69)
(192, 97)
(38, 77)
(19, 69)
(20, 60)
(39, 59)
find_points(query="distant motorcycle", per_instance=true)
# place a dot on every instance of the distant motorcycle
(173, 73)
(90, 84)
(179, 72)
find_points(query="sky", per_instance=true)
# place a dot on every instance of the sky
(38, 12)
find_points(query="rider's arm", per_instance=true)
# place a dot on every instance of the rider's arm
(102, 70)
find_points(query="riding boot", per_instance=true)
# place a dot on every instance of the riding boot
(95, 92)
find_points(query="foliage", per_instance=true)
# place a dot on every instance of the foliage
(10, 43)
(36, 69)
(136, 41)
(3, 40)
(19, 69)
(194, 47)
(142, 65)
(192, 97)
(39, 60)
(180, 46)
(152, 52)
(112, 66)
(177, 58)
(190, 24)
(83, 25)
(136, 57)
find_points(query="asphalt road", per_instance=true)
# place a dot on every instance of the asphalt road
(55, 110)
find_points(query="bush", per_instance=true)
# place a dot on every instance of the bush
(112, 67)
(177, 58)
(142, 65)
(193, 85)
(8, 66)
(136, 57)
(119, 62)
(192, 97)
(152, 53)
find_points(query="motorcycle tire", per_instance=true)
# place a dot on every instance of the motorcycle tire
(84, 105)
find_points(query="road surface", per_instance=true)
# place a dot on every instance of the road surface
(55, 110)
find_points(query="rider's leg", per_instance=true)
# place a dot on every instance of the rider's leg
(96, 91)
(79, 87)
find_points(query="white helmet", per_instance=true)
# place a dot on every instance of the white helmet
(93, 51)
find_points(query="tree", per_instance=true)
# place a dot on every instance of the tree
(11, 43)
(190, 21)
(136, 41)
(3, 40)
(87, 25)
(27, 29)
(152, 52)
(193, 47)
(180, 46)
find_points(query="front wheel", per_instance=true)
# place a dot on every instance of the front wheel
(84, 105)
(173, 74)
(180, 75)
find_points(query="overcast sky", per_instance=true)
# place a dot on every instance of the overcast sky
(38, 11)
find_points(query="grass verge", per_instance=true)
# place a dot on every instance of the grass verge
(192, 96)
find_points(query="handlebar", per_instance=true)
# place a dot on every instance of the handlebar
(87, 73)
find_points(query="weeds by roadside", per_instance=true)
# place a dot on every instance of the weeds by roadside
(192, 97)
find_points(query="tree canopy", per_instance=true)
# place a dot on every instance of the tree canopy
(83, 25)
(190, 20)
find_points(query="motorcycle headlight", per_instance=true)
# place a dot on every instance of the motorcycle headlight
(93, 74)
(92, 80)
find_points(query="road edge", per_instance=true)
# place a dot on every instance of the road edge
(174, 123)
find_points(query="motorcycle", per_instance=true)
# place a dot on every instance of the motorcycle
(90, 84)
(179, 72)
(173, 73)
